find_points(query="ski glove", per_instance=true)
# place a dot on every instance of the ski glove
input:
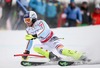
(26, 52)
(30, 37)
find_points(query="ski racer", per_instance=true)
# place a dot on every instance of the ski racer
(39, 29)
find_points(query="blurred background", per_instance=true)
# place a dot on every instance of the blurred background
(57, 13)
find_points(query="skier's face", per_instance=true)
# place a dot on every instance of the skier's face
(28, 22)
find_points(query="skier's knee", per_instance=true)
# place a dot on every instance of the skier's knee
(60, 51)
(59, 48)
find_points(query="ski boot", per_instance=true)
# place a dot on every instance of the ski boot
(84, 59)
(53, 57)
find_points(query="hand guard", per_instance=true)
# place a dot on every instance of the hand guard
(30, 37)
(26, 52)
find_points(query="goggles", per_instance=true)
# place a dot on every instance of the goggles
(27, 20)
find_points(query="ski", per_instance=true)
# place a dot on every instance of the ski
(75, 63)
(60, 63)
(30, 63)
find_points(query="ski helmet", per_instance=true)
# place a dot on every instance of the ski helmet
(30, 16)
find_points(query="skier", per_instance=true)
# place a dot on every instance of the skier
(39, 29)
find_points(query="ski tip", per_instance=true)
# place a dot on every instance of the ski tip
(22, 63)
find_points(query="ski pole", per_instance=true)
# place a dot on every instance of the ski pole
(61, 38)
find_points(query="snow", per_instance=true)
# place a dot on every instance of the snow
(85, 39)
